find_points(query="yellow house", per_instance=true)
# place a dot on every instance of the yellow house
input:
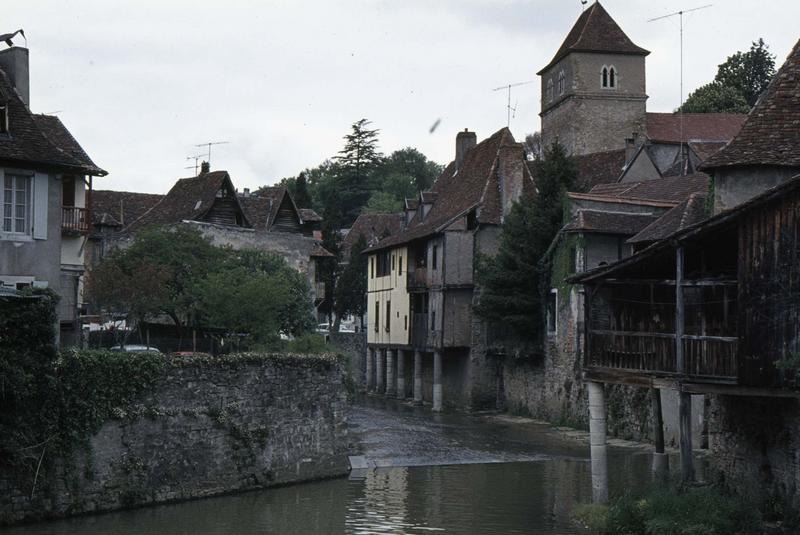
(388, 322)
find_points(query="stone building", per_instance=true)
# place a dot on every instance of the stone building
(421, 282)
(47, 184)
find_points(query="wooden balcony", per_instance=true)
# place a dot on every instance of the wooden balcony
(74, 220)
(705, 358)
(418, 278)
(319, 290)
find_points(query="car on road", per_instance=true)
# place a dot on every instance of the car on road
(134, 348)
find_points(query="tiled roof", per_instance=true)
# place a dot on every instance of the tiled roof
(609, 222)
(598, 168)
(28, 143)
(686, 214)
(261, 208)
(474, 185)
(771, 135)
(308, 215)
(670, 189)
(705, 149)
(319, 251)
(189, 199)
(596, 31)
(374, 227)
(118, 208)
(58, 134)
(666, 127)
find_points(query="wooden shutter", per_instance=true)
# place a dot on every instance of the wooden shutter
(40, 196)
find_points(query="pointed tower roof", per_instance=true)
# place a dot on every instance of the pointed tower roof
(596, 31)
(771, 133)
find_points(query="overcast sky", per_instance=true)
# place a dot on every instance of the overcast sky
(139, 83)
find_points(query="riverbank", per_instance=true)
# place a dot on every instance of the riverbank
(207, 426)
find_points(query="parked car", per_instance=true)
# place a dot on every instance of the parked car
(323, 328)
(133, 348)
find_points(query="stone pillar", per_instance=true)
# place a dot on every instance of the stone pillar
(380, 383)
(401, 374)
(417, 377)
(369, 380)
(390, 370)
(437, 381)
(597, 441)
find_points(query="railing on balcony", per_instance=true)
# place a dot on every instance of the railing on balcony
(319, 290)
(705, 357)
(418, 278)
(74, 219)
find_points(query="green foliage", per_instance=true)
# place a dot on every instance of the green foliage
(512, 285)
(668, 510)
(301, 196)
(383, 202)
(351, 289)
(738, 83)
(308, 344)
(357, 162)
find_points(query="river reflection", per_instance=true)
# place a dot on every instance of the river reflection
(502, 498)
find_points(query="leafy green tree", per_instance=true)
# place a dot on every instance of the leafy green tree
(383, 202)
(512, 280)
(301, 196)
(351, 290)
(411, 164)
(357, 162)
(715, 98)
(738, 83)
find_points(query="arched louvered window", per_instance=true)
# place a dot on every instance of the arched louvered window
(561, 83)
(604, 77)
(612, 77)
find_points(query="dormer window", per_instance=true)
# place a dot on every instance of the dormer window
(561, 83)
(4, 118)
(608, 77)
(550, 90)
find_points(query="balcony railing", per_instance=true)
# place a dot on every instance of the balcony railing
(74, 219)
(705, 357)
(319, 290)
(418, 278)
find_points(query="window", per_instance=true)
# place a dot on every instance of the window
(435, 256)
(608, 77)
(392, 262)
(604, 77)
(550, 90)
(400, 265)
(377, 315)
(561, 83)
(4, 118)
(405, 323)
(17, 204)
(388, 316)
(433, 320)
(552, 310)
(383, 264)
(372, 267)
(612, 77)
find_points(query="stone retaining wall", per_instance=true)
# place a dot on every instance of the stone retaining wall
(354, 347)
(206, 428)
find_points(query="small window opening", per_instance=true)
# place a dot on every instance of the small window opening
(612, 77)
(561, 83)
(434, 261)
(377, 315)
(552, 308)
(605, 77)
(388, 316)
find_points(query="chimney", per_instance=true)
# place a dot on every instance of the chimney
(205, 167)
(14, 62)
(464, 141)
(246, 192)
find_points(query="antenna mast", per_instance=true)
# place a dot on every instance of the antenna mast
(208, 144)
(508, 87)
(196, 159)
(680, 108)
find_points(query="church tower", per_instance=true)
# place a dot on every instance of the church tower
(593, 90)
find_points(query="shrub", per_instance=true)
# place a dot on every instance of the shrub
(309, 344)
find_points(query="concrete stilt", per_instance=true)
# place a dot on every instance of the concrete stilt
(685, 427)
(380, 383)
(401, 374)
(437, 381)
(660, 458)
(369, 380)
(391, 386)
(418, 377)
(597, 441)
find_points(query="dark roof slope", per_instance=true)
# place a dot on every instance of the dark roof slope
(28, 143)
(118, 208)
(686, 214)
(669, 189)
(374, 228)
(666, 127)
(596, 31)
(474, 185)
(58, 134)
(771, 135)
(598, 168)
(609, 222)
(308, 215)
(189, 199)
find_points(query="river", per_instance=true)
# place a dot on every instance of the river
(428, 473)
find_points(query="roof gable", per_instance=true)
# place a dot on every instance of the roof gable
(595, 31)
(771, 134)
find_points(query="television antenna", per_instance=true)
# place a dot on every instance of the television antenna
(196, 159)
(208, 145)
(679, 14)
(508, 87)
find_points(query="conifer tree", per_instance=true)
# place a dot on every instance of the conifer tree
(512, 281)
(357, 162)
(301, 196)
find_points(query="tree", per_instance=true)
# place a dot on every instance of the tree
(511, 288)
(738, 83)
(533, 144)
(351, 290)
(356, 164)
(300, 194)
(413, 166)
(383, 202)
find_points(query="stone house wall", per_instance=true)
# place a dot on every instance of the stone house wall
(204, 429)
